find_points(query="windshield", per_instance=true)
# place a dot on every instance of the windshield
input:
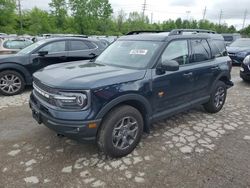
(30, 48)
(129, 54)
(241, 43)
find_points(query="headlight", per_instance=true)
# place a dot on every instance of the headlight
(246, 61)
(242, 54)
(71, 100)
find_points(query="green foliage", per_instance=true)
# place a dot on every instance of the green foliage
(91, 17)
(7, 16)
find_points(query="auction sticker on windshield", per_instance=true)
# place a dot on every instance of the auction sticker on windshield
(138, 52)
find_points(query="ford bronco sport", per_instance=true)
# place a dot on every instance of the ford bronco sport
(139, 79)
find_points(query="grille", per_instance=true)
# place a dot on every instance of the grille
(44, 92)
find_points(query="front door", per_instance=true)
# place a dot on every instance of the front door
(57, 53)
(173, 89)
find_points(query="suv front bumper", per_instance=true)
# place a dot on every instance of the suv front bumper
(78, 130)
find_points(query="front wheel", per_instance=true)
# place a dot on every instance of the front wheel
(11, 83)
(121, 131)
(217, 98)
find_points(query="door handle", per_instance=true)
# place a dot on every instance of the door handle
(188, 75)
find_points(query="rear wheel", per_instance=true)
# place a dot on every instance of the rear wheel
(217, 98)
(121, 131)
(11, 83)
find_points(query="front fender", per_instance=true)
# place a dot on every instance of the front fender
(125, 98)
(18, 68)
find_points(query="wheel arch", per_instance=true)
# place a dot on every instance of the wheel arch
(137, 101)
(18, 68)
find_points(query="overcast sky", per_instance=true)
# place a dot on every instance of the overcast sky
(232, 10)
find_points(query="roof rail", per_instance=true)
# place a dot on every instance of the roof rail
(180, 31)
(144, 31)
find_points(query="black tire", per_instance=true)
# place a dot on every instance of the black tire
(217, 98)
(17, 85)
(105, 138)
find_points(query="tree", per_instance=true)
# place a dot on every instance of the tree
(89, 14)
(7, 16)
(59, 11)
(37, 21)
(121, 18)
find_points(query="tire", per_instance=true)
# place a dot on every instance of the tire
(11, 83)
(111, 135)
(217, 98)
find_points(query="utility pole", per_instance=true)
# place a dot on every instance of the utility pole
(244, 19)
(144, 6)
(20, 14)
(220, 17)
(152, 14)
(204, 13)
(188, 12)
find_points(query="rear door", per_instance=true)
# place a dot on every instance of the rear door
(82, 50)
(205, 67)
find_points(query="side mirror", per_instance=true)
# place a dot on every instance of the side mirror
(43, 53)
(170, 65)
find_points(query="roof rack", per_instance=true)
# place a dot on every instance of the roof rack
(144, 31)
(181, 31)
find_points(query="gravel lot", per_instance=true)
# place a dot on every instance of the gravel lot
(192, 149)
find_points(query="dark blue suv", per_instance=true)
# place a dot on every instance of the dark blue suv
(136, 81)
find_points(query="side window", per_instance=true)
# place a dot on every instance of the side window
(178, 51)
(54, 47)
(200, 51)
(78, 45)
(218, 48)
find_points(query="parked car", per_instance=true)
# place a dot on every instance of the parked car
(230, 37)
(245, 69)
(136, 81)
(12, 46)
(16, 70)
(238, 50)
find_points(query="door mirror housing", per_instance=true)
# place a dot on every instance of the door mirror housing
(170, 65)
(43, 53)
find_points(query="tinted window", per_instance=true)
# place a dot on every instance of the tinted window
(54, 47)
(218, 48)
(178, 51)
(200, 50)
(78, 45)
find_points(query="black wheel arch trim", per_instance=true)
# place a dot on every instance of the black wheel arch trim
(125, 98)
(224, 77)
(19, 68)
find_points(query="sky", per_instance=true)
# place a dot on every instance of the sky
(232, 11)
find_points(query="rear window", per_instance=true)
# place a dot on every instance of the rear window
(200, 51)
(218, 48)
(78, 45)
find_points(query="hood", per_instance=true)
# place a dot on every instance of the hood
(11, 58)
(238, 49)
(85, 75)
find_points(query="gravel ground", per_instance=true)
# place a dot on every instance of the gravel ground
(191, 149)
